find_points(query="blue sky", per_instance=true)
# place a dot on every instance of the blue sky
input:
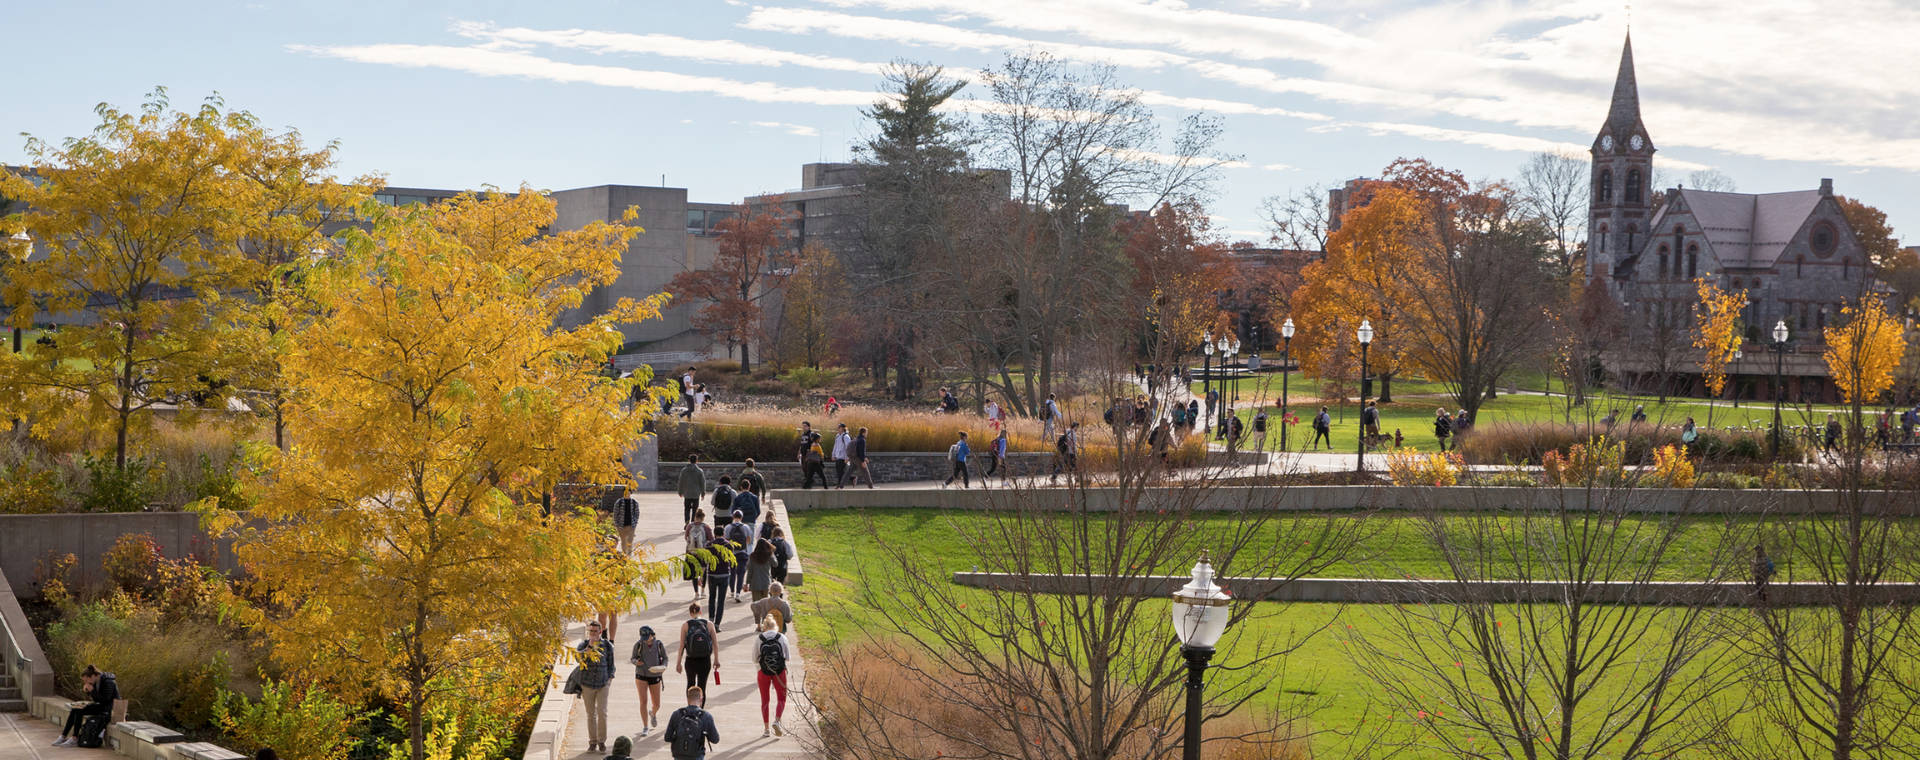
(730, 98)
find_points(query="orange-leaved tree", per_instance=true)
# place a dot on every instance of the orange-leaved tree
(754, 260)
(402, 536)
(1364, 268)
(1716, 332)
(1179, 269)
(1864, 349)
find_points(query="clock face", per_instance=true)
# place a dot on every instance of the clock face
(1606, 143)
(1637, 142)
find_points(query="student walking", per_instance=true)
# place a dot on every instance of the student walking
(749, 506)
(596, 675)
(724, 496)
(649, 663)
(693, 485)
(996, 453)
(809, 456)
(1066, 453)
(690, 729)
(775, 606)
(626, 515)
(698, 535)
(750, 477)
(842, 448)
(957, 455)
(1322, 429)
(772, 650)
(760, 569)
(1049, 414)
(740, 535)
(1442, 426)
(782, 549)
(1832, 437)
(858, 455)
(699, 646)
(1260, 430)
(719, 583)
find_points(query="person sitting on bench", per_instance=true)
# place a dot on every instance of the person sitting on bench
(101, 687)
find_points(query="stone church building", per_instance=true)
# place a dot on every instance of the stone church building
(1792, 253)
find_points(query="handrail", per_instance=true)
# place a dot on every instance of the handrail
(24, 658)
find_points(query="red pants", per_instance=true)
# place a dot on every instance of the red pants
(779, 684)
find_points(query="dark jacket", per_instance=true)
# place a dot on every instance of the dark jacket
(712, 734)
(105, 691)
(596, 673)
(748, 505)
(626, 512)
(859, 448)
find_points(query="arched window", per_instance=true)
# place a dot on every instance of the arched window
(1846, 269)
(1693, 260)
(1800, 267)
(1606, 185)
(1603, 238)
(1663, 261)
(1633, 185)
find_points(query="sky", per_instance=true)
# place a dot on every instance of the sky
(729, 98)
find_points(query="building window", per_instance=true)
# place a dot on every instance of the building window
(1663, 261)
(1823, 239)
(1846, 269)
(1603, 238)
(1693, 260)
(1800, 266)
(696, 221)
(1803, 316)
(1606, 185)
(1633, 185)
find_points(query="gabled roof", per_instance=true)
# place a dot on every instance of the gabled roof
(1745, 229)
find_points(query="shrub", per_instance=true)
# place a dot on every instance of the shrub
(1413, 468)
(116, 489)
(1732, 480)
(155, 663)
(1671, 468)
(1529, 442)
(26, 489)
(299, 722)
(1597, 462)
(133, 564)
(806, 378)
(1509, 478)
(53, 575)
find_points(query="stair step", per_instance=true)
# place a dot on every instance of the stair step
(8, 693)
(13, 705)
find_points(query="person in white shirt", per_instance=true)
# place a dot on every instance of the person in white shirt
(842, 443)
(1049, 413)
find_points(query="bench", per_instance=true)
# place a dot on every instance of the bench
(202, 751)
(141, 740)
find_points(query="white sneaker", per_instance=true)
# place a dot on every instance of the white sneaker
(776, 729)
(766, 732)
(644, 730)
(62, 742)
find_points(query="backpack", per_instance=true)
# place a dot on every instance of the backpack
(699, 639)
(698, 539)
(93, 730)
(739, 533)
(1061, 444)
(953, 454)
(773, 657)
(723, 497)
(689, 739)
(1046, 411)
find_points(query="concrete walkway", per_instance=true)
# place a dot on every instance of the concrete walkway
(24, 737)
(735, 703)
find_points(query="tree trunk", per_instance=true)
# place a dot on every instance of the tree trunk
(746, 365)
(1386, 388)
(126, 403)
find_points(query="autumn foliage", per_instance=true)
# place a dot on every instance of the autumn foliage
(1718, 332)
(754, 260)
(1863, 351)
(1178, 271)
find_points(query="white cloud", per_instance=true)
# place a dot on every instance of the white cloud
(665, 45)
(507, 63)
(801, 130)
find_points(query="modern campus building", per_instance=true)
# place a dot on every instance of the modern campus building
(1792, 253)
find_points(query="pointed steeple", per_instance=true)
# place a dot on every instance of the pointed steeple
(1623, 115)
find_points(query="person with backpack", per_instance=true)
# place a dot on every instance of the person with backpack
(1442, 426)
(724, 496)
(807, 453)
(740, 535)
(747, 503)
(996, 453)
(102, 690)
(842, 449)
(690, 729)
(772, 650)
(1179, 415)
(699, 645)
(751, 477)
(759, 569)
(626, 515)
(782, 549)
(1049, 414)
(698, 535)
(1322, 429)
(693, 485)
(596, 675)
(1762, 572)
(623, 747)
(1235, 429)
(720, 578)
(775, 605)
(684, 383)
(858, 455)
(957, 456)
(1260, 430)
(1193, 414)
(649, 662)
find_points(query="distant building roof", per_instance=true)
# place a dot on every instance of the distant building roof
(1746, 229)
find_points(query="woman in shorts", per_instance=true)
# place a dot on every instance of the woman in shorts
(649, 662)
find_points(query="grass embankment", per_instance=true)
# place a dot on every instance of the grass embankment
(839, 550)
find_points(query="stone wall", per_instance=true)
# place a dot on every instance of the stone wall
(888, 467)
(27, 539)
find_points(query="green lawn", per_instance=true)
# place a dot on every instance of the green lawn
(1414, 403)
(838, 549)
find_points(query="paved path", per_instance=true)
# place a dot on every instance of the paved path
(24, 737)
(735, 703)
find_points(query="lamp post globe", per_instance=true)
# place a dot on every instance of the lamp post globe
(1286, 373)
(1200, 614)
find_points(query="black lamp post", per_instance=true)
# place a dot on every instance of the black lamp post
(1737, 356)
(1228, 348)
(1365, 334)
(1206, 380)
(1286, 371)
(1779, 362)
(21, 245)
(1200, 615)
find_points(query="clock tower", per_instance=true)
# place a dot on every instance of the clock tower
(1622, 189)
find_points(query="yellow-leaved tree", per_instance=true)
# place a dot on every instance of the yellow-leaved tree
(402, 534)
(1863, 350)
(1717, 334)
(1367, 263)
(133, 233)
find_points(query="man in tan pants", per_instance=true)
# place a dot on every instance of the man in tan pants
(596, 677)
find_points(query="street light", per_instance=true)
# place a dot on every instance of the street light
(1206, 380)
(21, 245)
(1286, 370)
(1779, 360)
(1365, 334)
(1228, 347)
(1200, 615)
(1737, 354)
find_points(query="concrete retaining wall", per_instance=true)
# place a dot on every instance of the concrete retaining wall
(25, 540)
(888, 467)
(1390, 498)
(25, 660)
(1374, 591)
